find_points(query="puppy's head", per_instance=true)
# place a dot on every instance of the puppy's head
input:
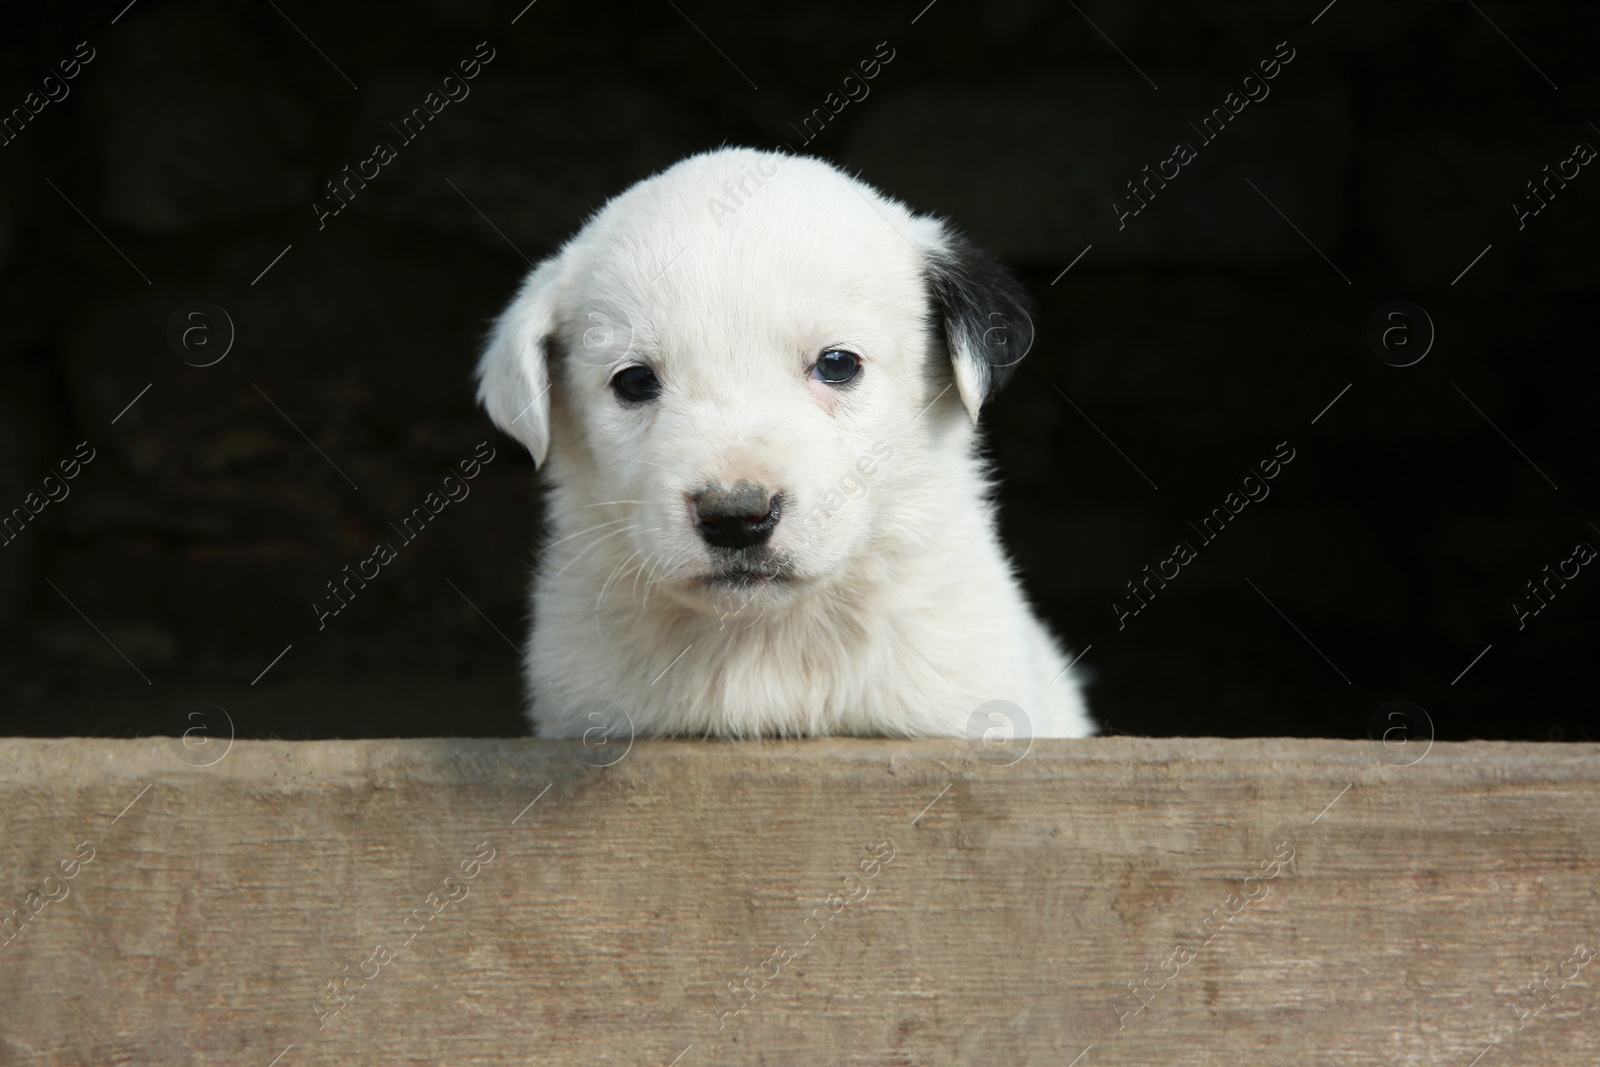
(740, 367)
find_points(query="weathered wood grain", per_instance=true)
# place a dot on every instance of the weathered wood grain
(997, 915)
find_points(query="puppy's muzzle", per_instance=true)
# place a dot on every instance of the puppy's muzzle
(741, 517)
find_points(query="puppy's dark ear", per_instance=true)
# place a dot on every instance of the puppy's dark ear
(985, 315)
(513, 375)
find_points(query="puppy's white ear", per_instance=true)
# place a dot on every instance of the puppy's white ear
(984, 312)
(513, 373)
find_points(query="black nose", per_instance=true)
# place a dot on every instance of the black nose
(736, 518)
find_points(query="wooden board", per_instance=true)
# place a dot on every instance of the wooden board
(1115, 901)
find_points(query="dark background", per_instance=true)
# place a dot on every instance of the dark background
(1208, 330)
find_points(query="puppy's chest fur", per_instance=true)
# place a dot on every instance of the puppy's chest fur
(909, 643)
(863, 656)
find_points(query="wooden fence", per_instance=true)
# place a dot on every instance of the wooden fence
(1113, 901)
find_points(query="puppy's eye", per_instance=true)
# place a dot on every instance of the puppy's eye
(636, 384)
(836, 367)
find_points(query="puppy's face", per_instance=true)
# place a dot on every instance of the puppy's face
(729, 362)
(743, 397)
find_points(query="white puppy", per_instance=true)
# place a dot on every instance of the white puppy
(752, 383)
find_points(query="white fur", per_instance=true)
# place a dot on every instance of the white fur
(729, 274)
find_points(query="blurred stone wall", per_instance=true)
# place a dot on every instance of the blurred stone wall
(1176, 348)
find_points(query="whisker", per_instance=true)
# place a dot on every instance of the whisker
(604, 586)
(639, 573)
(652, 580)
(616, 571)
(580, 533)
(590, 546)
(667, 577)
